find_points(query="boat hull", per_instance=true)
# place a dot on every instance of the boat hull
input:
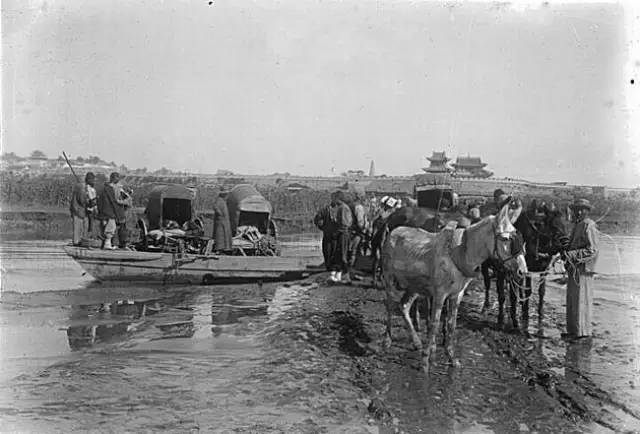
(133, 266)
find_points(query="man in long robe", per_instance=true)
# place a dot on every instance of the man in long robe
(221, 223)
(580, 260)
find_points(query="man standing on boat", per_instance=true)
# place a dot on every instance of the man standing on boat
(124, 202)
(80, 207)
(111, 211)
(580, 260)
(221, 223)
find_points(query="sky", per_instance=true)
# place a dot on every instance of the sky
(316, 87)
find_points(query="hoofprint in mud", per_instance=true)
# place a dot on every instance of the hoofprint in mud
(168, 267)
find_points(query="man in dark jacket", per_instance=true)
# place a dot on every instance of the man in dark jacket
(221, 223)
(323, 221)
(342, 216)
(80, 203)
(111, 211)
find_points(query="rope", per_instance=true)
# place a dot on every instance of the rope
(541, 281)
(512, 284)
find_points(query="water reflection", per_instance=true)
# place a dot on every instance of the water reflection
(233, 311)
(578, 358)
(117, 321)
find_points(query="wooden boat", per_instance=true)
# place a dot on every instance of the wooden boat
(168, 267)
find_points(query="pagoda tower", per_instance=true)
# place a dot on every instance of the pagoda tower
(437, 163)
(470, 167)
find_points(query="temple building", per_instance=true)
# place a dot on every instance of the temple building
(470, 167)
(437, 163)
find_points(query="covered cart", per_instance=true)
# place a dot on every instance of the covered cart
(255, 233)
(247, 207)
(170, 222)
(166, 203)
(436, 197)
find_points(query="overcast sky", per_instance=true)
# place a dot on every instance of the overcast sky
(304, 86)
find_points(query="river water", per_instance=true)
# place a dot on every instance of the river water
(76, 355)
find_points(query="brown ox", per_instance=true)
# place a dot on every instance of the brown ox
(418, 263)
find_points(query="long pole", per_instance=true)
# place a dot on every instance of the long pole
(70, 166)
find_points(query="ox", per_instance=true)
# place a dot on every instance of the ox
(420, 263)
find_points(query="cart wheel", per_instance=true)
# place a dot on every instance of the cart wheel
(199, 223)
(273, 229)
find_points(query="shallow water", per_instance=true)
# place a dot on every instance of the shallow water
(76, 355)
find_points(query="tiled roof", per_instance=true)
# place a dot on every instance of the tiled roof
(469, 161)
(438, 156)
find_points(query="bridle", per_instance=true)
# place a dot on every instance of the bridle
(496, 250)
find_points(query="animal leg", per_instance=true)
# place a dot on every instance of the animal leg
(375, 268)
(542, 289)
(434, 320)
(445, 315)
(513, 304)
(501, 299)
(487, 287)
(407, 301)
(527, 296)
(389, 288)
(416, 316)
(452, 314)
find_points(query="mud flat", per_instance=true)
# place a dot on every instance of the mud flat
(298, 357)
(506, 382)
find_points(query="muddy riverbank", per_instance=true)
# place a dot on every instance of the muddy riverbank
(297, 357)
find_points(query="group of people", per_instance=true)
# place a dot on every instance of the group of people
(346, 224)
(109, 209)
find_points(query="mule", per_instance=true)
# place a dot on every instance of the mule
(410, 216)
(544, 232)
(420, 263)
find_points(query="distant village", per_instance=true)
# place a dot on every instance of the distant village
(467, 175)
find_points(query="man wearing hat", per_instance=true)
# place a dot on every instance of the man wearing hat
(112, 205)
(580, 259)
(342, 216)
(82, 204)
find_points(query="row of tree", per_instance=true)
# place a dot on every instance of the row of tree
(296, 209)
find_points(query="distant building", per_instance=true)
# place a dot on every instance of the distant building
(470, 167)
(355, 173)
(437, 163)
(372, 169)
